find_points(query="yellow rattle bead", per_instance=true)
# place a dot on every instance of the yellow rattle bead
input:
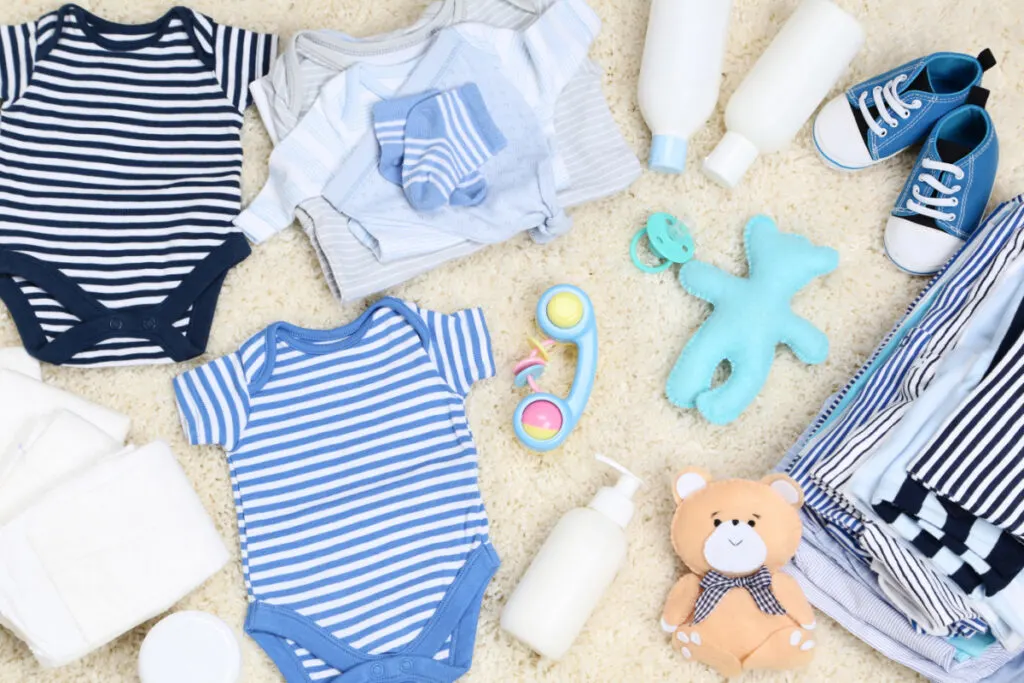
(565, 310)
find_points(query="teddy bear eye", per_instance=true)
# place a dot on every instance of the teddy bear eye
(717, 522)
(751, 523)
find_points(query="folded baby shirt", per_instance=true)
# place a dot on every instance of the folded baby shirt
(105, 551)
(340, 118)
(521, 185)
(593, 160)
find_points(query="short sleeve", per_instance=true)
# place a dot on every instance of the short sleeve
(460, 347)
(17, 60)
(213, 401)
(239, 57)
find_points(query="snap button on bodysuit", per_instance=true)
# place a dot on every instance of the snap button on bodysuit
(378, 670)
(149, 324)
(406, 665)
(116, 323)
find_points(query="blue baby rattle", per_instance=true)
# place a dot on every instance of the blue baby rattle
(542, 420)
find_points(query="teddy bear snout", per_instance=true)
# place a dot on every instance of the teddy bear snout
(735, 547)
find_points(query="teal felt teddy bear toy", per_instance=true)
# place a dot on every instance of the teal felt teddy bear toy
(751, 317)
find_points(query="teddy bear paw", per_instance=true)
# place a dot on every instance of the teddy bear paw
(796, 639)
(693, 637)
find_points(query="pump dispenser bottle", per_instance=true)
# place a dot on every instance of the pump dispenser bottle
(572, 570)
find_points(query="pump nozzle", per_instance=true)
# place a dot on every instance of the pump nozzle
(616, 502)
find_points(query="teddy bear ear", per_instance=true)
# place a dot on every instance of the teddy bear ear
(689, 481)
(786, 487)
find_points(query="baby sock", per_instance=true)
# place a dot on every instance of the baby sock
(448, 137)
(389, 126)
(389, 118)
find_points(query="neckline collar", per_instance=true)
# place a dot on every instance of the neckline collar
(337, 49)
(94, 27)
(322, 342)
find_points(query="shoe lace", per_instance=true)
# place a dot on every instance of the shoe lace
(922, 204)
(883, 95)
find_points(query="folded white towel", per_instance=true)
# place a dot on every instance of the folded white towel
(23, 398)
(16, 358)
(53, 448)
(110, 548)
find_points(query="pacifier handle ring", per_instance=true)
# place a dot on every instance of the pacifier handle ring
(660, 268)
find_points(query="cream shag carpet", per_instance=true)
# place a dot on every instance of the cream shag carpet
(644, 321)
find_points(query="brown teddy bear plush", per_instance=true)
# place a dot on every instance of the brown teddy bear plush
(736, 610)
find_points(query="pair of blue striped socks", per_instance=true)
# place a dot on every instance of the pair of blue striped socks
(434, 143)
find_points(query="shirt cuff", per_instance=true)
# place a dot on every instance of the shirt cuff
(187, 412)
(265, 216)
(256, 228)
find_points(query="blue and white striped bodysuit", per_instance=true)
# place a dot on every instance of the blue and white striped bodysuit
(364, 537)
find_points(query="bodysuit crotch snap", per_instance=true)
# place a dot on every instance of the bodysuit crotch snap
(441, 653)
(60, 323)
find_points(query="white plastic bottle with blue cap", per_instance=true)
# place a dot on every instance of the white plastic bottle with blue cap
(680, 74)
(572, 570)
(784, 87)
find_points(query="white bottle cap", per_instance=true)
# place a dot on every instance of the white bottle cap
(190, 646)
(616, 502)
(730, 159)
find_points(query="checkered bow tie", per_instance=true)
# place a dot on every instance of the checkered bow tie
(715, 585)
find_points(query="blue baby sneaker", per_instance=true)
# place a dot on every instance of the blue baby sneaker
(884, 115)
(945, 196)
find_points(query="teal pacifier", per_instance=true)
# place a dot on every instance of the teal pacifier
(667, 238)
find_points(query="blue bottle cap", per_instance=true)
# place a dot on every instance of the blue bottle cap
(668, 154)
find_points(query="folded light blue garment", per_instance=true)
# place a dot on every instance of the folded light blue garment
(971, 648)
(521, 179)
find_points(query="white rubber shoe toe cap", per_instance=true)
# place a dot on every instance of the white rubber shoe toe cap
(838, 139)
(917, 249)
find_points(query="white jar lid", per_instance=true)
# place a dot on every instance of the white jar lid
(190, 646)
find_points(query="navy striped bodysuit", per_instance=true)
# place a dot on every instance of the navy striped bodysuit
(120, 168)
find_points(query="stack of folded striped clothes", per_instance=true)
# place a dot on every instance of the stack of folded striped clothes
(914, 475)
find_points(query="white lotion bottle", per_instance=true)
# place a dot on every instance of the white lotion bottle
(680, 74)
(572, 570)
(784, 87)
